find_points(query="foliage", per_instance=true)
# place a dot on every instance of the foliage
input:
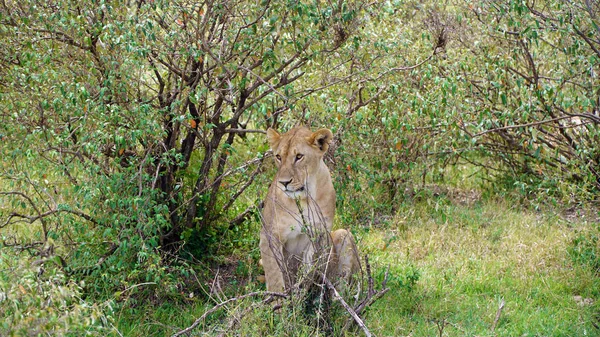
(512, 89)
(143, 116)
(39, 300)
(132, 132)
(535, 91)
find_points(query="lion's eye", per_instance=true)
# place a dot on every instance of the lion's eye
(278, 157)
(299, 156)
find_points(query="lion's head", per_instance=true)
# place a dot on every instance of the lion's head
(299, 156)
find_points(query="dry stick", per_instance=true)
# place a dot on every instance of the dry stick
(218, 306)
(371, 300)
(351, 311)
(498, 313)
(371, 290)
(520, 126)
(371, 296)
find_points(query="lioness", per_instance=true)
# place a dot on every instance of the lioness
(299, 210)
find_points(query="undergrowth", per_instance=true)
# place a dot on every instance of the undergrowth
(450, 264)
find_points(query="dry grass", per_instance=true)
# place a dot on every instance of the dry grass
(469, 259)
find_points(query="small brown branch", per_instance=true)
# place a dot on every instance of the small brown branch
(595, 119)
(247, 184)
(509, 127)
(372, 296)
(22, 246)
(370, 291)
(224, 303)
(245, 131)
(351, 311)
(244, 215)
(40, 216)
(441, 324)
(498, 313)
(587, 40)
(415, 66)
(63, 37)
(35, 208)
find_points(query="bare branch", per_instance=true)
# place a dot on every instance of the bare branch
(509, 127)
(40, 215)
(349, 309)
(270, 295)
(498, 313)
(245, 131)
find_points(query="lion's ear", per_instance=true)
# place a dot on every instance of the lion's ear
(274, 137)
(321, 139)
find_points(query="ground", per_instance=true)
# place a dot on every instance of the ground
(454, 258)
(471, 259)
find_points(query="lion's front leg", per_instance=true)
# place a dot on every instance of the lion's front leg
(271, 253)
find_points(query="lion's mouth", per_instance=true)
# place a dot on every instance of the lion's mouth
(298, 190)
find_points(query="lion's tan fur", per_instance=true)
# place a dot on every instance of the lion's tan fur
(302, 182)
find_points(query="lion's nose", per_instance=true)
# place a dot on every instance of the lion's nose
(285, 182)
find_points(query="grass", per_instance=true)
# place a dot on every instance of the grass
(472, 257)
(466, 254)
(467, 259)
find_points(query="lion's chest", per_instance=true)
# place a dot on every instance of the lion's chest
(297, 230)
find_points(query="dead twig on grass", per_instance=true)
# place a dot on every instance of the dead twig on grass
(498, 313)
(372, 295)
(338, 297)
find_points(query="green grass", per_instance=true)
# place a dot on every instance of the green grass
(467, 252)
(468, 259)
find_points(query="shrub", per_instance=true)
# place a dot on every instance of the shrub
(38, 299)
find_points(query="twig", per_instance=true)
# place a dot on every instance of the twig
(245, 131)
(218, 306)
(440, 326)
(139, 285)
(40, 216)
(372, 296)
(498, 313)
(367, 302)
(351, 311)
(370, 291)
(520, 126)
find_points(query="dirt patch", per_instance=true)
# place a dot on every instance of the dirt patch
(580, 214)
(464, 197)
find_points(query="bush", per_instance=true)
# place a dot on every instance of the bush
(38, 299)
